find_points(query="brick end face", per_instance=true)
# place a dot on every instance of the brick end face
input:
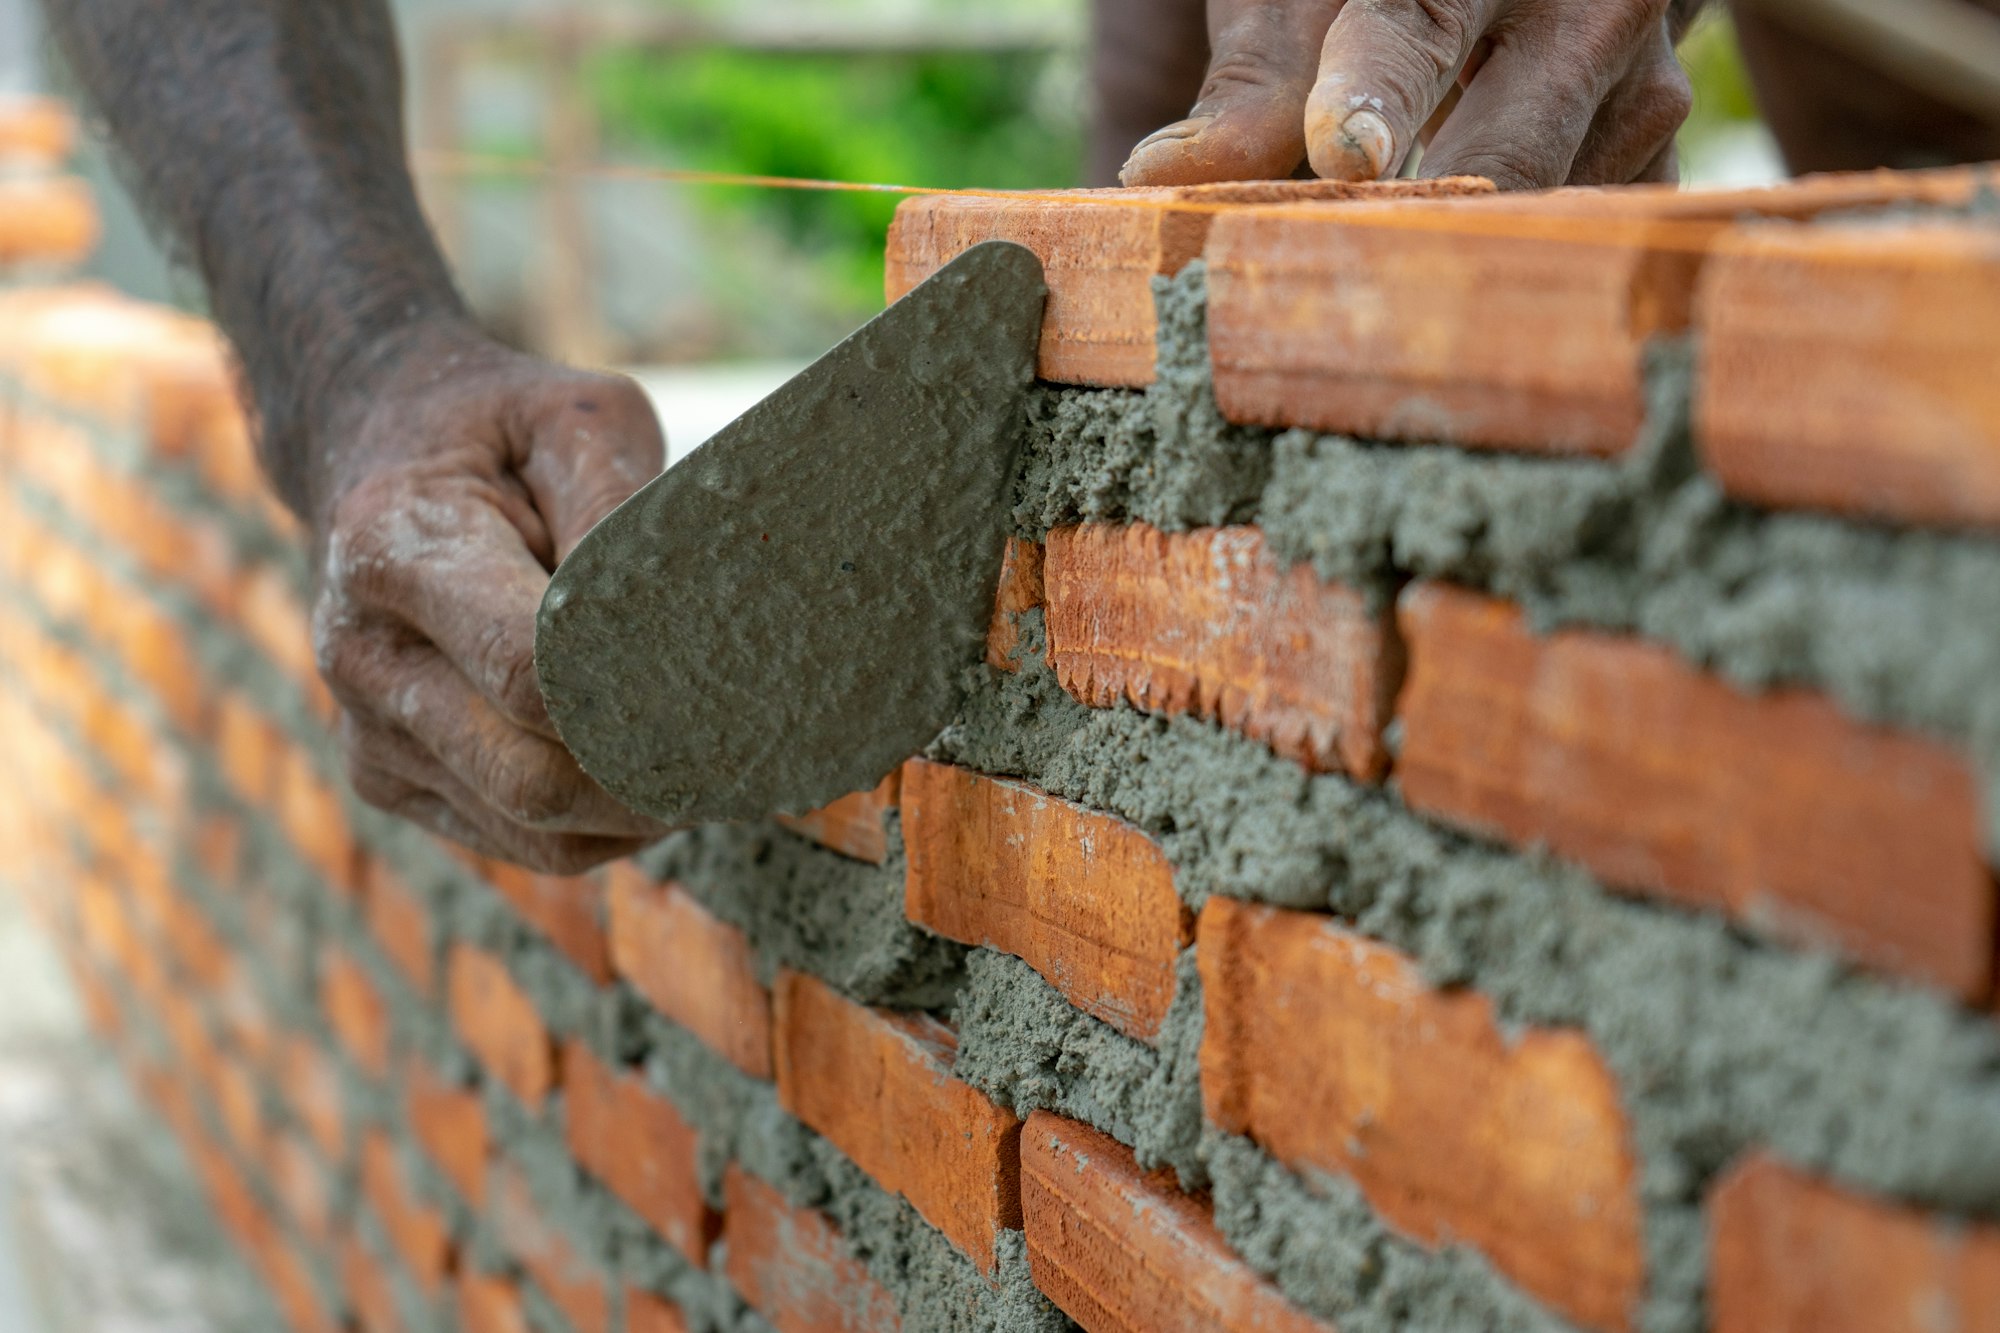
(635, 1141)
(693, 968)
(792, 1266)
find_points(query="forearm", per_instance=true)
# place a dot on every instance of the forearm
(266, 138)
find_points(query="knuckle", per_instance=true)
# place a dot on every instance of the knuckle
(533, 795)
(1443, 30)
(506, 664)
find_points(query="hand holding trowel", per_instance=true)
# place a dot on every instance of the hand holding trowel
(786, 615)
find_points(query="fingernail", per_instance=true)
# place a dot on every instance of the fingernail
(1168, 139)
(1362, 149)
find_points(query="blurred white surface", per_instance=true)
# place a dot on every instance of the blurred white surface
(694, 402)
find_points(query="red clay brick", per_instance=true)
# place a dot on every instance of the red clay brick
(879, 1085)
(1100, 251)
(852, 825)
(367, 1288)
(356, 1012)
(495, 1017)
(574, 1284)
(1020, 590)
(315, 821)
(1406, 321)
(1208, 623)
(312, 1088)
(50, 220)
(568, 909)
(490, 1305)
(1849, 368)
(647, 1313)
(302, 1186)
(635, 1141)
(400, 924)
(696, 970)
(36, 129)
(1792, 1254)
(1084, 898)
(1660, 778)
(1455, 1130)
(449, 1124)
(416, 1229)
(1122, 1250)
(792, 1266)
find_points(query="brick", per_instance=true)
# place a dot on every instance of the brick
(247, 746)
(792, 1266)
(1848, 368)
(416, 1229)
(853, 825)
(356, 1012)
(1792, 1254)
(315, 820)
(1100, 251)
(311, 1086)
(36, 130)
(1208, 623)
(647, 1313)
(401, 924)
(1777, 809)
(49, 220)
(634, 1140)
(1456, 1131)
(568, 909)
(879, 1085)
(1021, 590)
(449, 1123)
(1406, 321)
(1121, 1250)
(302, 1186)
(693, 968)
(368, 1290)
(573, 1283)
(273, 617)
(1084, 898)
(490, 1305)
(497, 1020)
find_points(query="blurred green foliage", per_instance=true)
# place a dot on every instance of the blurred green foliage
(997, 121)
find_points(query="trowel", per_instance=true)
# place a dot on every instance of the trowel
(789, 612)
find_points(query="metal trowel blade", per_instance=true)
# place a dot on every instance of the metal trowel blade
(787, 613)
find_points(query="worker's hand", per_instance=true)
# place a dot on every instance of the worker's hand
(1554, 92)
(451, 483)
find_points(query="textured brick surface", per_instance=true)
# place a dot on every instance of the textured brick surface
(569, 909)
(792, 1267)
(1207, 623)
(852, 825)
(1790, 1254)
(1407, 322)
(696, 970)
(449, 1124)
(46, 221)
(1021, 589)
(497, 1020)
(879, 1086)
(1084, 898)
(1455, 1130)
(1778, 808)
(1123, 1251)
(633, 1139)
(1850, 368)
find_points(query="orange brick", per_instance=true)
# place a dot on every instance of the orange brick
(1084, 898)
(568, 909)
(1848, 368)
(314, 820)
(368, 1290)
(696, 970)
(1208, 623)
(1791, 1254)
(356, 1012)
(51, 220)
(1658, 777)
(852, 825)
(490, 1305)
(1122, 1250)
(1021, 590)
(400, 923)
(647, 1313)
(1100, 251)
(495, 1017)
(634, 1140)
(1456, 1131)
(273, 617)
(302, 1186)
(792, 1266)
(449, 1124)
(37, 129)
(1406, 321)
(879, 1085)
(312, 1087)
(417, 1230)
(248, 748)
(573, 1283)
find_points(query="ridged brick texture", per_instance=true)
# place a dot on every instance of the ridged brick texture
(1454, 1129)
(879, 1086)
(1774, 808)
(1085, 899)
(1849, 368)
(1124, 1251)
(1208, 623)
(1790, 1254)
(696, 970)
(791, 1265)
(631, 1137)
(1020, 590)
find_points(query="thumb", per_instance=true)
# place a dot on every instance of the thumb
(1249, 122)
(1383, 70)
(590, 447)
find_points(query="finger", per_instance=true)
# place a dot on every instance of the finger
(589, 445)
(550, 853)
(1524, 119)
(438, 553)
(1248, 122)
(1383, 69)
(1637, 122)
(1664, 169)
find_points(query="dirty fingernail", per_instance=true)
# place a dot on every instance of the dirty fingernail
(1362, 148)
(1161, 144)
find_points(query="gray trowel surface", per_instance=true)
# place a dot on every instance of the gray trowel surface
(788, 613)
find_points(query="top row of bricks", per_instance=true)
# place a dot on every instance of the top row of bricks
(1844, 365)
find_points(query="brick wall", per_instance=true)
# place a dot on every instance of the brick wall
(1484, 877)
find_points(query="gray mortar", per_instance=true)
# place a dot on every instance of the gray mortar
(1024, 1045)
